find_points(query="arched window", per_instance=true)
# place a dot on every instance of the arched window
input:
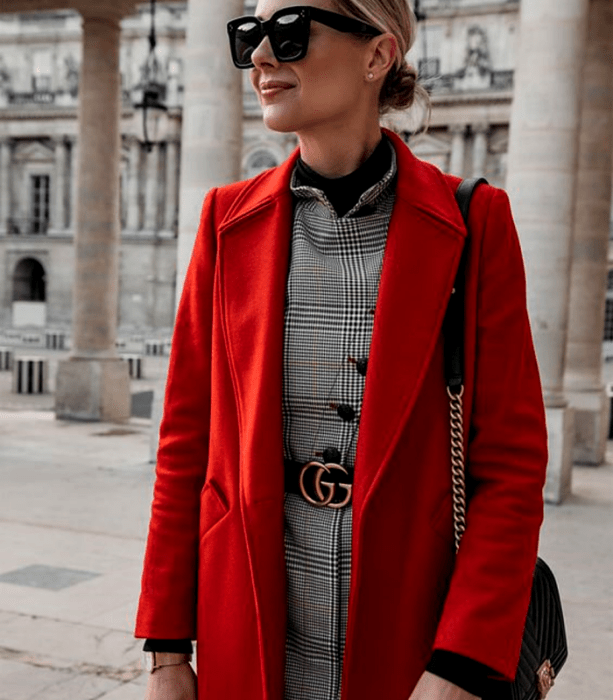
(259, 161)
(29, 281)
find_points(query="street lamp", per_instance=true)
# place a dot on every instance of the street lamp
(154, 90)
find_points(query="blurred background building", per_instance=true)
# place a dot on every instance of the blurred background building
(466, 56)
(97, 217)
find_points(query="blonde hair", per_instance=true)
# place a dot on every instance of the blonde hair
(400, 88)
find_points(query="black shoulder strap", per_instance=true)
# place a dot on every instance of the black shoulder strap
(453, 327)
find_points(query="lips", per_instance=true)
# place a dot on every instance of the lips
(268, 87)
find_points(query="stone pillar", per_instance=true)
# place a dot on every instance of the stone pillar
(172, 174)
(58, 210)
(5, 186)
(583, 379)
(212, 117)
(480, 132)
(152, 188)
(541, 182)
(212, 132)
(93, 384)
(133, 219)
(458, 149)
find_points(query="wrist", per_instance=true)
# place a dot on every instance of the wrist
(432, 687)
(156, 660)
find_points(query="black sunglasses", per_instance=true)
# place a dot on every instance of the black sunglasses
(288, 30)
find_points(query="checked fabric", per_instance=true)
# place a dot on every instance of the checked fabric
(329, 313)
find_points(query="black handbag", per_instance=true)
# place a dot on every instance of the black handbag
(544, 649)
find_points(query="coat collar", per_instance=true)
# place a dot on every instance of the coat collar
(425, 241)
(421, 185)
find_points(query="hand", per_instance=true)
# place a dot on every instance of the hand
(172, 683)
(431, 687)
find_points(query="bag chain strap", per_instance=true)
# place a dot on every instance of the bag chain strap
(455, 378)
(458, 476)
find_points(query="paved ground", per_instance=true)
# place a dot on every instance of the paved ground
(74, 505)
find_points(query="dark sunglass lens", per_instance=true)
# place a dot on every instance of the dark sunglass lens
(289, 36)
(246, 40)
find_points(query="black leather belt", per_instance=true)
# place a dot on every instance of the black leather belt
(322, 485)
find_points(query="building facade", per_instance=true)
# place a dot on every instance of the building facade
(40, 57)
(466, 53)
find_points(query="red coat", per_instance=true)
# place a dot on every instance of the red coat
(214, 566)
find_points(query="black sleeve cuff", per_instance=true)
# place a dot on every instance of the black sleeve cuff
(170, 646)
(469, 675)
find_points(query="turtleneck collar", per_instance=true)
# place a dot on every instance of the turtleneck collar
(343, 193)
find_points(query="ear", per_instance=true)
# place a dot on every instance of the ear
(382, 55)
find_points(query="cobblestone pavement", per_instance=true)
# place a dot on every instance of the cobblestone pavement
(74, 506)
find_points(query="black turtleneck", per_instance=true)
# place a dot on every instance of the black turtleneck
(344, 192)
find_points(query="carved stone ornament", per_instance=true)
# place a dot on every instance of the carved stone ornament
(476, 74)
(71, 75)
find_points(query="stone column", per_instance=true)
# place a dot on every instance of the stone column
(133, 219)
(58, 210)
(583, 379)
(212, 117)
(480, 132)
(152, 189)
(458, 149)
(172, 173)
(212, 132)
(5, 186)
(93, 384)
(541, 182)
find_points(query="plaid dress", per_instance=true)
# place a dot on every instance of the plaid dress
(330, 300)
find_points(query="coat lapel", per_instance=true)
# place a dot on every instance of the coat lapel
(254, 245)
(425, 242)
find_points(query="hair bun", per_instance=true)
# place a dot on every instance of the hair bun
(400, 89)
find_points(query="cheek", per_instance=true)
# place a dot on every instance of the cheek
(332, 83)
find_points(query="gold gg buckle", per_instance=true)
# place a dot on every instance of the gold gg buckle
(321, 469)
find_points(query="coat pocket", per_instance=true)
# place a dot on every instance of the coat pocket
(213, 507)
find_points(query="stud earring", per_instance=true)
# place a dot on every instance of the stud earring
(370, 76)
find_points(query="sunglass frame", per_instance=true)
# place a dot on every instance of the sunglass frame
(334, 20)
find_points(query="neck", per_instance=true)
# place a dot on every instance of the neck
(336, 152)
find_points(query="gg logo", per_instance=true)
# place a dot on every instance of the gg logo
(321, 469)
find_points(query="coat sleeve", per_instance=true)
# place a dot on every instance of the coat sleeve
(167, 605)
(487, 601)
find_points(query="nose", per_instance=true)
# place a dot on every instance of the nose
(263, 54)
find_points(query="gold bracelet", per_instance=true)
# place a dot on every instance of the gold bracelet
(154, 665)
(180, 663)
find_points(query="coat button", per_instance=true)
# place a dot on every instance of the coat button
(362, 365)
(332, 454)
(346, 412)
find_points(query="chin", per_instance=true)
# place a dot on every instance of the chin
(281, 120)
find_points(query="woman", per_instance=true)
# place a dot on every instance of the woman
(313, 307)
